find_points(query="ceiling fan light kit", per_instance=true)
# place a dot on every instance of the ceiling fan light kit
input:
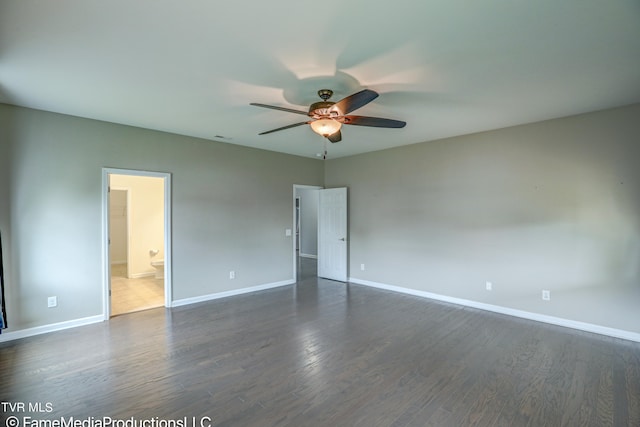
(328, 117)
(325, 127)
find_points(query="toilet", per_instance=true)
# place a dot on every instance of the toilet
(158, 264)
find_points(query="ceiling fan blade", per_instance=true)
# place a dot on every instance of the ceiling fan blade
(336, 137)
(355, 101)
(273, 107)
(373, 122)
(284, 127)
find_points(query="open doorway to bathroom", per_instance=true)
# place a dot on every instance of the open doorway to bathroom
(136, 233)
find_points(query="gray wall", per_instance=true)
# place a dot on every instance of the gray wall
(231, 206)
(552, 205)
(5, 176)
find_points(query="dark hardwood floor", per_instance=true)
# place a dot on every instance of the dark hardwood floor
(322, 353)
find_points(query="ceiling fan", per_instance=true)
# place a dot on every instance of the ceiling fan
(328, 117)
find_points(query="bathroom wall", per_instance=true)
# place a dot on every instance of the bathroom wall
(118, 226)
(146, 221)
(231, 206)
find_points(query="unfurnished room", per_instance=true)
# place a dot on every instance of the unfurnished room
(308, 214)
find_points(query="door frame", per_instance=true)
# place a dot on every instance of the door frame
(106, 261)
(295, 188)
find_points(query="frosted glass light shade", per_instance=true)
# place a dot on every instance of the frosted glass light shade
(325, 127)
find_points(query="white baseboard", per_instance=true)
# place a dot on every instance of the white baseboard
(23, 333)
(29, 332)
(588, 327)
(141, 275)
(558, 321)
(225, 294)
(308, 256)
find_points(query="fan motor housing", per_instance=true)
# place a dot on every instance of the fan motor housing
(320, 109)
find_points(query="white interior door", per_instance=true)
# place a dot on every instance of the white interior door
(332, 234)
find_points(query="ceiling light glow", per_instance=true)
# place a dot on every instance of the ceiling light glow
(325, 127)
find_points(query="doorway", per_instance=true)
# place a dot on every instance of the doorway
(305, 224)
(320, 245)
(136, 229)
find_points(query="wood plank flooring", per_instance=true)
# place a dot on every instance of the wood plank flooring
(322, 353)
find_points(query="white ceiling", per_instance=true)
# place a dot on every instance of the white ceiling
(446, 67)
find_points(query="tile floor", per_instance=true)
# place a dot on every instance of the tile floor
(128, 295)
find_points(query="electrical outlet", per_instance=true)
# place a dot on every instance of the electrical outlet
(362, 267)
(489, 286)
(546, 295)
(232, 274)
(52, 302)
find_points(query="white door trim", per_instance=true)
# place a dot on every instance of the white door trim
(295, 188)
(106, 274)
